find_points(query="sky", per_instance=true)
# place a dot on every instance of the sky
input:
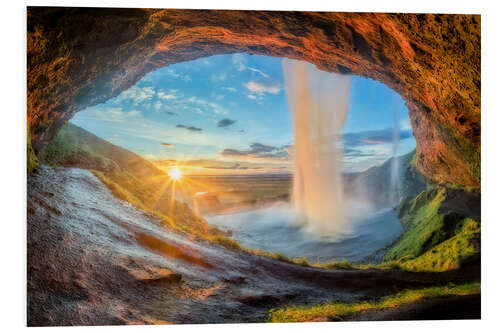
(229, 114)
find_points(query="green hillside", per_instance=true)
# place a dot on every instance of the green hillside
(128, 176)
(443, 230)
(75, 147)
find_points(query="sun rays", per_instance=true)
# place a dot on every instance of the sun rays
(175, 173)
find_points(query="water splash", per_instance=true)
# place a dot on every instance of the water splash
(319, 102)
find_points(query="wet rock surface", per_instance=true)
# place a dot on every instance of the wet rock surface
(79, 57)
(87, 265)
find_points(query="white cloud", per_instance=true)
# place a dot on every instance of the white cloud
(259, 71)
(261, 88)
(219, 77)
(239, 62)
(175, 75)
(158, 105)
(170, 95)
(231, 89)
(138, 95)
(210, 106)
(114, 114)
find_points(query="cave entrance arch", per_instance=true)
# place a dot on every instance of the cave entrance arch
(79, 57)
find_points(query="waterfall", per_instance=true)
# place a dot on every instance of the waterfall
(395, 185)
(318, 101)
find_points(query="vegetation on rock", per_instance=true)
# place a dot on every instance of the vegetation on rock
(342, 311)
(442, 231)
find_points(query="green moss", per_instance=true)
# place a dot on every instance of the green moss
(423, 223)
(450, 254)
(343, 311)
(31, 158)
(436, 239)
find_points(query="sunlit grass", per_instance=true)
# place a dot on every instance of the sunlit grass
(343, 311)
(445, 256)
(435, 241)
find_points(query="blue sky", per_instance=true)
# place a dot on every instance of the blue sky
(231, 111)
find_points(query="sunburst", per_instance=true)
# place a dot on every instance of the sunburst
(175, 173)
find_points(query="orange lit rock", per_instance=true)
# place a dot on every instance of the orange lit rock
(82, 57)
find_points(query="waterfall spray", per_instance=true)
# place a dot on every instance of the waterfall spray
(319, 102)
(395, 173)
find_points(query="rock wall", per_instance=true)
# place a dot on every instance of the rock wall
(79, 57)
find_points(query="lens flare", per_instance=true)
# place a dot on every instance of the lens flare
(175, 173)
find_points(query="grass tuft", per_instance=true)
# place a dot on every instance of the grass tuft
(343, 311)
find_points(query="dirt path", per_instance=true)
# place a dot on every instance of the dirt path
(96, 260)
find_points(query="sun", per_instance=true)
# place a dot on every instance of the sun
(175, 173)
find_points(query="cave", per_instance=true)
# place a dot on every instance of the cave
(79, 57)
(109, 242)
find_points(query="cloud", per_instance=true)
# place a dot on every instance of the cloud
(138, 95)
(373, 137)
(170, 113)
(262, 148)
(218, 77)
(225, 122)
(257, 151)
(158, 105)
(235, 166)
(262, 87)
(231, 89)
(352, 153)
(218, 164)
(112, 114)
(239, 62)
(193, 104)
(190, 128)
(259, 72)
(184, 77)
(164, 144)
(170, 95)
(150, 157)
(218, 97)
(214, 107)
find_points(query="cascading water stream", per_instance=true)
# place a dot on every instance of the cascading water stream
(395, 172)
(319, 102)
